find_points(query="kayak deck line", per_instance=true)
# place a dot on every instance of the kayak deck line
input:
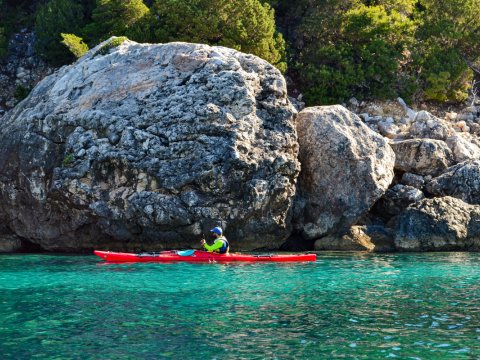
(200, 256)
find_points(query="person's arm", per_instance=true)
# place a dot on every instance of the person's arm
(216, 245)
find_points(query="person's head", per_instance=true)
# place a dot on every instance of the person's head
(217, 231)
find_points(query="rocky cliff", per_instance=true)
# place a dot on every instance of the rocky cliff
(146, 147)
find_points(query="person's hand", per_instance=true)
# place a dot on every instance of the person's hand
(202, 242)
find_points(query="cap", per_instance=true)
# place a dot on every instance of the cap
(217, 230)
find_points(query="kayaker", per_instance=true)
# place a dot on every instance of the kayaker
(220, 245)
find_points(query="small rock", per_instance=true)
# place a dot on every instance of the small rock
(451, 116)
(413, 180)
(388, 129)
(353, 101)
(365, 117)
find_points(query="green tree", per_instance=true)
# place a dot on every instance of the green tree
(448, 42)
(75, 44)
(3, 36)
(115, 17)
(357, 50)
(52, 19)
(246, 25)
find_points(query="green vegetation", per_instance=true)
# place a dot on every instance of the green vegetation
(422, 50)
(67, 160)
(75, 44)
(105, 48)
(3, 42)
(21, 93)
(114, 18)
(246, 25)
(53, 19)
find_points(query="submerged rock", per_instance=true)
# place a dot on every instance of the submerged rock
(346, 167)
(439, 224)
(358, 238)
(148, 146)
(353, 240)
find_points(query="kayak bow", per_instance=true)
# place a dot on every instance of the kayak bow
(199, 256)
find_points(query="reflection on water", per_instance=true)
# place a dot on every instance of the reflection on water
(361, 305)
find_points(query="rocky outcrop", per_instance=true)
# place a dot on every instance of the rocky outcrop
(20, 70)
(464, 147)
(358, 238)
(422, 156)
(461, 181)
(346, 167)
(439, 224)
(397, 199)
(354, 239)
(148, 146)
(10, 243)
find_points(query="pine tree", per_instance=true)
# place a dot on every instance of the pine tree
(245, 25)
(114, 17)
(52, 19)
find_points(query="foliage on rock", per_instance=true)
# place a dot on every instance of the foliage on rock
(75, 44)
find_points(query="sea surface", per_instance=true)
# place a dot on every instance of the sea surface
(346, 306)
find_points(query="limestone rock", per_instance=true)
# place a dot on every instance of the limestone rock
(10, 243)
(353, 240)
(461, 181)
(440, 224)
(427, 126)
(358, 238)
(397, 199)
(463, 147)
(346, 167)
(414, 180)
(422, 156)
(146, 146)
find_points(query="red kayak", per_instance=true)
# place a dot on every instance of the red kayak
(199, 256)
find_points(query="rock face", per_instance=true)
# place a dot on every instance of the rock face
(397, 199)
(354, 239)
(439, 224)
(346, 167)
(21, 69)
(461, 181)
(422, 156)
(148, 146)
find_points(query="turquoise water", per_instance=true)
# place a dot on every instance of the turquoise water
(354, 306)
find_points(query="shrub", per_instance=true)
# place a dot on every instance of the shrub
(3, 42)
(248, 26)
(75, 44)
(105, 48)
(114, 18)
(360, 55)
(54, 18)
(21, 93)
(448, 41)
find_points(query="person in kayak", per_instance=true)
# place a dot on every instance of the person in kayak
(220, 245)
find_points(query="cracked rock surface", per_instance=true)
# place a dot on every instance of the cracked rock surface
(346, 167)
(148, 147)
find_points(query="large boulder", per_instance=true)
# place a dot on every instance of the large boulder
(422, 156)
(461, 181)
(346, 167)
(148, 146)
(439, 224)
